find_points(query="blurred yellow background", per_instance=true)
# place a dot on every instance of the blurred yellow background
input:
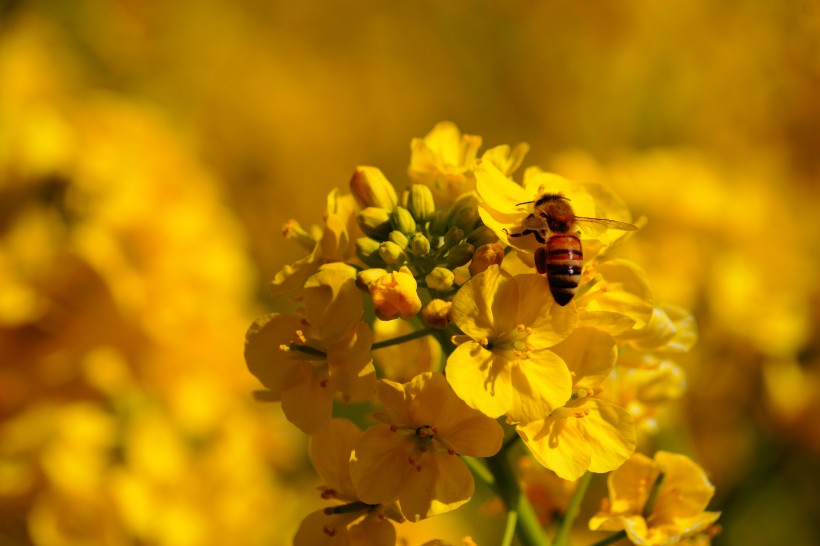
(151, 151)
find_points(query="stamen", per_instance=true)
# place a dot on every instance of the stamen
(323, 383)
(300, 337)
(329, 531)
(328, 493)
(284, 348)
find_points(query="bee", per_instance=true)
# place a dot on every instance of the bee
(554, 224)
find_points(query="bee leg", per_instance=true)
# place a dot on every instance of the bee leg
(541, 259)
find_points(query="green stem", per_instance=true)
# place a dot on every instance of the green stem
(509, 529)
(620, 535)
(479, 470)
(527, 527)
(562, 536)
(401, 339)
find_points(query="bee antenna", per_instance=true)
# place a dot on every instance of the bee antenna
(524, 203)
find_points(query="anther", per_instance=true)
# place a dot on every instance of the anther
(323, 383)
(394, 428)
(484, 342)
(451, 451)
(328, 493)
(329, 531)
(300, 337)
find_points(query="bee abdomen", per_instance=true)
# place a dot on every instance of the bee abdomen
(564, 261)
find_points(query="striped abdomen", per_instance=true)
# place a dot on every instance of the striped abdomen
(563, 261)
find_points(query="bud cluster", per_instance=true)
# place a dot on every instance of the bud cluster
(408, 231)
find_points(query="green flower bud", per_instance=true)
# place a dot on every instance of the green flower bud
(482, 235)
(460, 255)
(418, 199)
(454, 236)
(374, 222)
(370, 188)
(403, 221)
(437, 225)
(399, 238)
(420, 245)
(367, 250)
(464, 213)
(392, 254)
(439, 278)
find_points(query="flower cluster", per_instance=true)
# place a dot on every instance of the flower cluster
(541, 325)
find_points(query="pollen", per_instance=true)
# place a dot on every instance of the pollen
(284, 348)
(300, 337)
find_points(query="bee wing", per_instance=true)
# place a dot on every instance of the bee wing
(604, 222)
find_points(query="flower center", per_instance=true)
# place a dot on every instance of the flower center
(513, 344)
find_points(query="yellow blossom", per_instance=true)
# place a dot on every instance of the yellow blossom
(334, 243)
(413, 457)
(304, 361)
(657, 502)
(443, 161)
(394, 294)
(587, 433)
(503, 365)
(352, 521)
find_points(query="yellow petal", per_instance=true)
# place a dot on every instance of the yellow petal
(330, 451)
(263, 356)
(680, 528)
(558, 444)
(440, 486)
(333, 303)
(292, 277)
(590, 354)
(372, 531)
(309, 403)
(631, 484)
(686, 490)
(473, 303)
(480, 378)
(611, 434)
(540, 383)
(379, 464)
(350, 367)
(320, 529)
(624, 290)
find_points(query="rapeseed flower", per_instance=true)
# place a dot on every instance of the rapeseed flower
(503, 364)
(305, 361)
(413, 457)
(588, 432)
(353, 521)
(657, 501)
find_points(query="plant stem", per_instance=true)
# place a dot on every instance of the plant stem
(401, 339)
(620, 535)
(562, 536)
(527, 527)
(509, 529)
(479, 470)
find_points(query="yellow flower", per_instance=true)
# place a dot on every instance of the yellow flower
(650, 517)
(587, 433)
(304, 361)
(443, 161)
(353, 520)
(334, 243)
(504, 365)
(413, 458)
(394, 294)
(670, 330)
(404, 361)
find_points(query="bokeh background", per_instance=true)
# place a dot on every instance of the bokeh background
(151, 151)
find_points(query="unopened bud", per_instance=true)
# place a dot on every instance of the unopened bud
(439, 278)
(368, 277)
(454, 236)
(460, 255)
(418, 199)
(371, 188)
(437, 314)
(464, 213)
(392, 254)
(374, 222)
(419, 245)
(437, 225)
(485, 256)
(403, 221)
(399, 238)
(482, 235)
(367, 250)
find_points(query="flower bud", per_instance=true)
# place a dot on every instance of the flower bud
(394, 295)
(419, 245)
(403, 221)
(418, 199)
(392, 254)
(482, 235)
(399, 238)
(367, 277)
(464, 213)
(459, 255)
(439, 278)
(437, 314)
(454, 236)
(370, 188)
(485, 256)
(367, 250)
(438, 223)
(374, 222)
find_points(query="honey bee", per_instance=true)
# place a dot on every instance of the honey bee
(554, 224)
